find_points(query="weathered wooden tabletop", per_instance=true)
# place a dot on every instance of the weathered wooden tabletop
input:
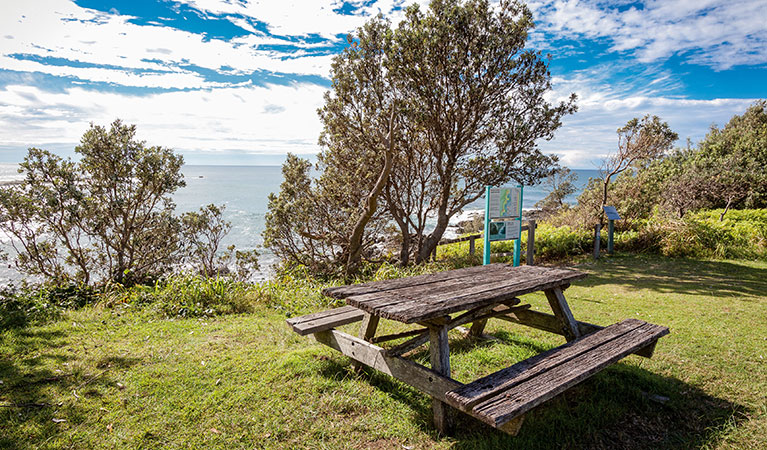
(424, 297)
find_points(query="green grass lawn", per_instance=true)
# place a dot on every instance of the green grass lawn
(122, 378)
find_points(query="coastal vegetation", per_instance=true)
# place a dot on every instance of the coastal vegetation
(108, 217)
(420, 117)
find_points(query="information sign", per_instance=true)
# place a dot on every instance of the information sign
(611, 213)
(505, 230)
(503, 218)
(505, 202)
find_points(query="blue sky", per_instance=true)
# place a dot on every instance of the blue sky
(239, 81)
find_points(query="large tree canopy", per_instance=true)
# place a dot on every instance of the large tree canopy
(423, 117)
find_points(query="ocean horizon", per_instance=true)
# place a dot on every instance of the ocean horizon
(244, 191)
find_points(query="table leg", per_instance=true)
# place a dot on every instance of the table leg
(559, 305)
(477, 328)
(368, 327)
(439, 350)
(367, 331)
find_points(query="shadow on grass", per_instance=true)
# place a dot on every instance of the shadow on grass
(681, 276)
(400, 392)
(40, 392)
(623, 407)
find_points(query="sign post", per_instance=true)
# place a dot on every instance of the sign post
(503, 218)
(612, 216)
(486, 258)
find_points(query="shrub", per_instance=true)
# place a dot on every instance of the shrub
(21, 306)
(187, 296)
(742, 234)
(559, 242)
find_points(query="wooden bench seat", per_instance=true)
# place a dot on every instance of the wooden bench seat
(325, 320)
(503, 396)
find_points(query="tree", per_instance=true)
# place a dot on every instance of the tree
(639, 143)
(203, 232)
(107, 217)
(737, 154)
(561, 184)
(359, 144)
(421, 117)
(476, 95)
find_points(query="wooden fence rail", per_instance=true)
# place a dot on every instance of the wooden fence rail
(530, 227)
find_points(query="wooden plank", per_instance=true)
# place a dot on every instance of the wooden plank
(417, 305)
(477, 328)
(376, 300)
(415, 375)
(550, 323)
(394, 336)
(319, 315)
(525, 396)
(325, 320)
(646, 352)
(439, 353)
(386, 285)
(546, 322)
(597, 236)
(410, 307)
(513, 426)
(503, 275)
(525, 227)
(466, 397)
(558, 304)
(469, 238)
(484, 312)
(369, 326)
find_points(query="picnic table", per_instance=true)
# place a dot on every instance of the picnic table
(439, 302)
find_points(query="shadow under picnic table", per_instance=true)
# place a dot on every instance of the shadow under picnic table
(624, 406)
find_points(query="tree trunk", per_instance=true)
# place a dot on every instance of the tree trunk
(605, 185)
(726, 208)
(371, 203)
(431, 241)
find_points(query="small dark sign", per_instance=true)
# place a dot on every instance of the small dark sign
(611, 213)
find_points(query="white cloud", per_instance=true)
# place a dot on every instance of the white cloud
(121, 50)
(590, 134)
(716, 33)
(303, 17)
(250, 119)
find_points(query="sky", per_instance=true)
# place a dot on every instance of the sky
(240, 81)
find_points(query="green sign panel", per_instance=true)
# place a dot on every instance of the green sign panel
(503, 218)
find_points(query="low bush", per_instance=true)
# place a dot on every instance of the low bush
(25, 305)
(560, 242)
(740, 235)
(186, 296)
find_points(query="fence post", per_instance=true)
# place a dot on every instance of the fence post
(597, 237)
(530, 241)
(610, 230)
(471, 245)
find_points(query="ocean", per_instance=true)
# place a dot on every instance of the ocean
(244, 191)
